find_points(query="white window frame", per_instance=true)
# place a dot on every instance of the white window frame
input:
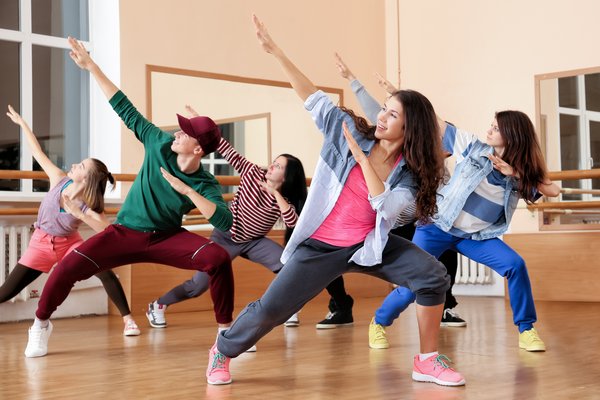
(583, 136)
(104, 45)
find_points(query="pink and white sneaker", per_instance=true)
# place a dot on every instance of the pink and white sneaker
(436, 369)
(131, 328)
(217, 372)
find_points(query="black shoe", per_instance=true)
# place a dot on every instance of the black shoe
(335, 319)
(451, 318)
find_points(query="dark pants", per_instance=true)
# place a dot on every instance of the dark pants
(312, 266)
(118, 245)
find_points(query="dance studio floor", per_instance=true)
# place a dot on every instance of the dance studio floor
(90, 359)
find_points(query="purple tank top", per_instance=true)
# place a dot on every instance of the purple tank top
(50, 219)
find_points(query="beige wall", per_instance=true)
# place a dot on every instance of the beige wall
(472, 58)
(218, 36)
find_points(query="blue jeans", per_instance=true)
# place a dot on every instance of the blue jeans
(492, 252)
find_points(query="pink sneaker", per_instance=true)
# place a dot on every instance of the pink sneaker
(217, 372)
(436, 369)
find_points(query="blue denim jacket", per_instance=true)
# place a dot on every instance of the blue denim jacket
(334, 166)
(472, 167)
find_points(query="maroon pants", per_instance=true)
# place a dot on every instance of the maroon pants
(118, 245)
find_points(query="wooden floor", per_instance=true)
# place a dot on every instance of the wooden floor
(88, 358)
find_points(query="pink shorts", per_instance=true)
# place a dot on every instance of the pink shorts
(44, 250)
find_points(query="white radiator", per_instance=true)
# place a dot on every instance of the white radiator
(14, 240)
(470, 272)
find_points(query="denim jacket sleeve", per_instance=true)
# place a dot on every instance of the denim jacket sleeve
(391, 202)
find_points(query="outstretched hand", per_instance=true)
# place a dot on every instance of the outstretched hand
(191, 112)
(385, 84)
(175, 182)
(71, 206)
(14, 116)
(264, 39)
(357, 152)
(343, 68)
(79, 54)
(502, 166)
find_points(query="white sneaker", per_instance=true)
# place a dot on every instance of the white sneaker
(37, 345)
(292, 322)
(251, 349)
(156, 315)
(131, 328)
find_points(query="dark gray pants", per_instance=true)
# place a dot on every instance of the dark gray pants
(262, 251)
(313, 266)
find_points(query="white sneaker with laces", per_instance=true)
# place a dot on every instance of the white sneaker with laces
(37, 345)
(156, 315)
(131, 328)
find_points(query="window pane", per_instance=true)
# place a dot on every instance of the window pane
(592, 92)
(10, 134)
(9, 14)
(61, 113)
(595, 149)
(569, 151)
(567, 92)
(60, 18)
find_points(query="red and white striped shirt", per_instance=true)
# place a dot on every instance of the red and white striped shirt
(254, 210)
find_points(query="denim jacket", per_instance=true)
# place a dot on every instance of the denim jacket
(472, 167)
(334, 166)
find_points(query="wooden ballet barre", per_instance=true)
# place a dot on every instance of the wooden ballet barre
(564, 205)
(574, 174)
(580, 191)
(569, 211)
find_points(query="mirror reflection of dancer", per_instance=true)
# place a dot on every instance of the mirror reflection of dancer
(365, 177)
(262, 198)
(478, 203)
(73, 198)
(170, 183)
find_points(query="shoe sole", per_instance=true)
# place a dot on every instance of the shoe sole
(153, 324)
(453, 324)
(333, 326)
(219, 382)
(132, 333)
(379, 346)
(291, 324)
(532, 349)
(428, 378)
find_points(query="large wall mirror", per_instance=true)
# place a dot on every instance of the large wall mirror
(568, 116)
(261, 118)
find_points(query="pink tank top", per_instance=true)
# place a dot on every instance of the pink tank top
(50, 219)
(352, 217)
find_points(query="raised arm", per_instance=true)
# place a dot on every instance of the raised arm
(83, 60)
(369, 105)
(54, 173)
(301, 84)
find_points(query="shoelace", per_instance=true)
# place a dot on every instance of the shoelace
(131, 324)
(451, 312)
(218, 361)
(329, 315)
(443, 361)
(379, 332)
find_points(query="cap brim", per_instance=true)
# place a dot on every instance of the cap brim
(185, 125)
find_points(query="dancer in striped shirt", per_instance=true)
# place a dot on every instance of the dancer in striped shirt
(262, 198)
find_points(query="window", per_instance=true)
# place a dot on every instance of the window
(52, 94)
(569, 121)
(579, 129)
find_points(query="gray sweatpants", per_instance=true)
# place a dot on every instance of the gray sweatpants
(313, 266)
(262, 251)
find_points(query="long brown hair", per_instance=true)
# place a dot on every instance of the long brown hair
(422, 148)
(522, 151)
(95, 186)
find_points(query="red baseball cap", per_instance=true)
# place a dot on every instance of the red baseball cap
(203, 129)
